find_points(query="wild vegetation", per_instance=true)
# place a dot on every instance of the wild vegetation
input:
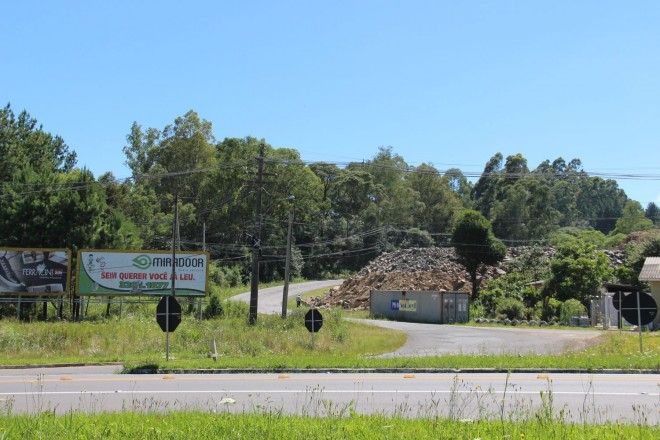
(345, 213)
(335, 424)
(135, 340)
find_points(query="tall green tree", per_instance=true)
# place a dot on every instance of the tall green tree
(577, 272)
(172, 163)
(600, 202)
(459, 184)
(485, 191)
(476, 246)
(24, 144)
(632, 219)
(511, 215)
(439, 202)
(398, 202)
(653, 212)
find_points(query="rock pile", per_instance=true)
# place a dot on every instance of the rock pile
(407, 269)
(417, 269)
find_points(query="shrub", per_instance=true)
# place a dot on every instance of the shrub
(477, 310)
(571, 307)
(511, 308)
(550, 311)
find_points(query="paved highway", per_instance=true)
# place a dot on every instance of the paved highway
(580, 397)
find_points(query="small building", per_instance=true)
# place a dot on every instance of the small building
(432, 307)
(651, 273)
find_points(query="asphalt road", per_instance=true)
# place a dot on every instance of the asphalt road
(269, 300)
(434, 339)
(580, 397)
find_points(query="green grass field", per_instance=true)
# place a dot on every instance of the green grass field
(199, 425)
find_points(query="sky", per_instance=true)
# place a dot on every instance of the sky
(447, 83)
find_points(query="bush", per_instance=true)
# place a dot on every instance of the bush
(477, 310)
(214, 308)
(571, 307)
(225, 276)
(511, 308)
(550, 311)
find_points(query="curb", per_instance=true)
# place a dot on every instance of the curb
(383, 370)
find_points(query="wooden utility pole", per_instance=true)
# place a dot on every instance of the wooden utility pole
(256, 241)
(287, 264)
(175, 242)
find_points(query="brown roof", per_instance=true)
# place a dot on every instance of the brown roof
(651, 269)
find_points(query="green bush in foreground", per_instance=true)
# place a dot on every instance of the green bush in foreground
(199, 425)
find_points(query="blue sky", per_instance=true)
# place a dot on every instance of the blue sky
(449, 83)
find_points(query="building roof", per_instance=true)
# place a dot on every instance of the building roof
(614, 287)
(651, 269)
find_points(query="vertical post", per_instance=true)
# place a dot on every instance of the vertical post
(313, 332)
(175, 228)
(287, 264)
(200, 302)
(606, 307)
(639, 324)
(256, 242)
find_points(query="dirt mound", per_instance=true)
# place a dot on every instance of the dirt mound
(407, 269)
(418, 269)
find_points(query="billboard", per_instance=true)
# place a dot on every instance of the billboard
(35, 271)
(102, 272)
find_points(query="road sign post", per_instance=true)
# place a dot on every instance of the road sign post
(313, 322)
(168, 317)
(639, 310)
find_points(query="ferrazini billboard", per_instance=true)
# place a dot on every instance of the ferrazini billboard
(35, 271)
(141, 273)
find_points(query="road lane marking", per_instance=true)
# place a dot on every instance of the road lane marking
(257, 392)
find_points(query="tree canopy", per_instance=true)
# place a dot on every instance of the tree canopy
(346, 214)
(476, 246)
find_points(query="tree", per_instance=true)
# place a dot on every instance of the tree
(636, 255)
(485, 191)
(601, 202)
(653, 212)
(576, 272)
(459, 184)
(439, 203)
(633, 219)
(398, 202)
(509, 216)
(24, 144)
(476, 246)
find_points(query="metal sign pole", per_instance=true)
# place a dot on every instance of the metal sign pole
(639, 324)
(167, 331)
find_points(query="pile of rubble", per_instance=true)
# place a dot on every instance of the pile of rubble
(417, 269)
(407, 269)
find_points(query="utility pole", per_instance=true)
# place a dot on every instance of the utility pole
(287, 264)
(256, 241)
(200, 302)
(175, 235)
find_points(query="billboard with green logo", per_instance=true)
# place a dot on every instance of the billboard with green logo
(102, 272)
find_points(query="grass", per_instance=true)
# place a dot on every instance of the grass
(275, 343)
(274, 425)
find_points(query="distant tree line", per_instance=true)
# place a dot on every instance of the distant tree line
(345, 214)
